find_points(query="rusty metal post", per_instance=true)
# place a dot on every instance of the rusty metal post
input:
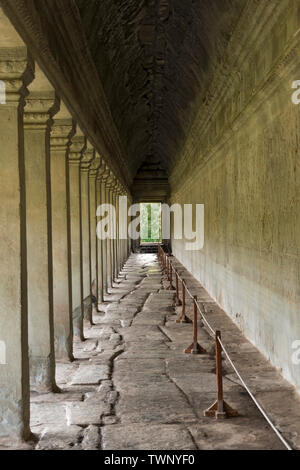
(177, 299)
(171, 275)
(195, 347)
(183, 298)
(183, 318)
(220, 409)
(166, 270)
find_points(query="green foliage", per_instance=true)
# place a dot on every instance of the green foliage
(150, 222)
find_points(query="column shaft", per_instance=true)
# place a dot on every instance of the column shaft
(103, 245)
(85, 247)
(86, 275)
(77, 147)
(96, 281)
(100, 242)
(61, 244)
(108, 249)
(93, 237)
(40, 107)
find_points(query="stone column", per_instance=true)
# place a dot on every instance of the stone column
(86, 276)
(114, 240)
(93, 172)
(122, 227)
(117, 252)
(62, 131)
(41, 105)
(102, 175)
(118, 262)
(109, 271)
(129, 241)
(123, 230)
(78, 145)
(15, 75)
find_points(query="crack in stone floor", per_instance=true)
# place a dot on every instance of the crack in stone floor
(132, 387)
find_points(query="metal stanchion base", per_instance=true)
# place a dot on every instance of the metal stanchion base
(220, 410)
(184, 319)
(195, 348)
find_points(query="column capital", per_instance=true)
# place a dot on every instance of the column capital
(16, 73)
(103, 177)
(41, 103)
(88, 155)
(39, 110)
(103, 172)
(61, 134)
(94, 167)
(115, 185)
(62, 130)
(119, 188)
(110, 184)
(77, 147)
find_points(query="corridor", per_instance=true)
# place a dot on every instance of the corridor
(132, 387)
(149, 189)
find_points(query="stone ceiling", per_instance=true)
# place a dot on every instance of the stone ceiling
(156, 60)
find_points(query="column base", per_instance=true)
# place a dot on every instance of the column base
(88, 309)
(63, 346)
(42, 375)
(78, 324)
(14, 443)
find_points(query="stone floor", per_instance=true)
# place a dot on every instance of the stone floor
(132, 387)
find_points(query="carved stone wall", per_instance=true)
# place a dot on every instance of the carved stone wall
(242, 161)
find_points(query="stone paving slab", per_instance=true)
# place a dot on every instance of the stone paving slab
(141, 333)
(59, 438)
(284, 410)
(63, 397)
(64, 371)
(87, 412)
(89, 374)
(163, 437)
(179, 364)
(91, 438)
(125, 366)
(158, 412)
(230, 435)
(45, 413)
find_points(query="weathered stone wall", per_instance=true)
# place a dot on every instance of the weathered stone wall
(242, 161)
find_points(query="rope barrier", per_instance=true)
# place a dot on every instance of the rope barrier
(254, 399)
(219, 408)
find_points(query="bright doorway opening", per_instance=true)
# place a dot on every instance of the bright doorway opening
(150, 222)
